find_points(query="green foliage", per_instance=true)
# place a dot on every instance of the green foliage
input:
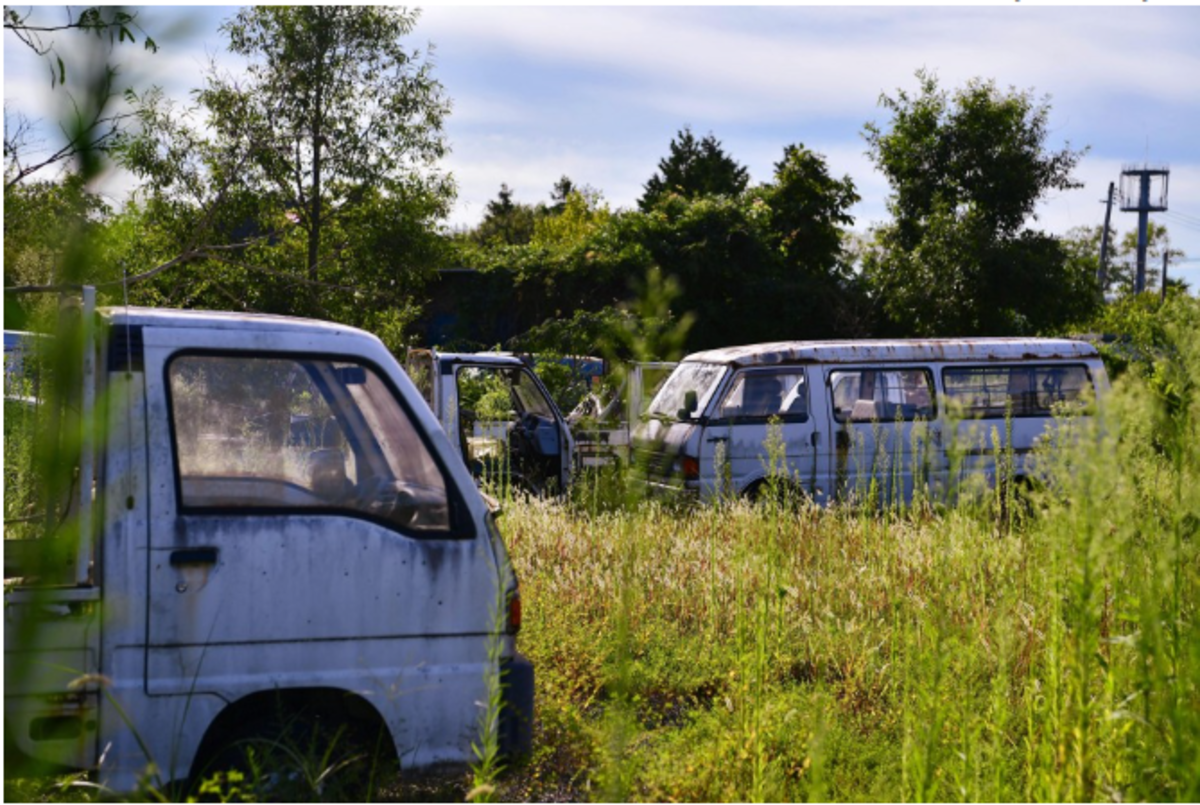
(808, 210)
(1083, 243)
(693, 169)
(313, 189)
(578, 218)
(116, 25)
(505, 222)
(967, 170)
(764, 264)
(40, 220)
(22, 514)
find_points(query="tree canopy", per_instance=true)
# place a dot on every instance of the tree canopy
(694, 168)
(321, 164)
(765, 263)
(967, 171)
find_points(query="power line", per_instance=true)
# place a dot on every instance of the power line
(1182, 218)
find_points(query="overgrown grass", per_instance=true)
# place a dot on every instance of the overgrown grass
(1044, 650)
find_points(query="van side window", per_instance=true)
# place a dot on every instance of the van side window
(760, 394)
(285, 434)
(1031, 391)
(882, 395)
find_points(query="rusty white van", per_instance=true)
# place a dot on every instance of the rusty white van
(858, 418)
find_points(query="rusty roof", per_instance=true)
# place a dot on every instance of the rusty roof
(897, 350)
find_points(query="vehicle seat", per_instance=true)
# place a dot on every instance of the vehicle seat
(866, 411)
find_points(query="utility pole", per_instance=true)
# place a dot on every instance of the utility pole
(1142, 179)
(1102, 271)
(1163, 297)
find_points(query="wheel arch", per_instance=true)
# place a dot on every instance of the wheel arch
(336, 704)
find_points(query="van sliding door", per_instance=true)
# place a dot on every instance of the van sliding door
(886, 438)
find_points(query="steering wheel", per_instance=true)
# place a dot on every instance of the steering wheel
(387, 498)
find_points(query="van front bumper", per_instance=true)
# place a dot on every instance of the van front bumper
(516, 708)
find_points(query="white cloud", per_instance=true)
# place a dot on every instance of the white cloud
(832, 61)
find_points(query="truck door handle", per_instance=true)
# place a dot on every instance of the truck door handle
(815, 438)
(194, 556)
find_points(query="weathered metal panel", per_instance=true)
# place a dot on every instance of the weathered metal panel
(930, 349)
(238, 604)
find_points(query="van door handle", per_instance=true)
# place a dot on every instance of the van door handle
(712, 439)
(815, 438)
(194, 556)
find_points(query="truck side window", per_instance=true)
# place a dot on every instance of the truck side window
(287, 434)
(760, 395)
(882, 395)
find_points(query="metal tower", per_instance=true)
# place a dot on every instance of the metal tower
(1136, 184)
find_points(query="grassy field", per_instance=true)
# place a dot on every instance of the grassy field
(1040, 651)
(1036, 649)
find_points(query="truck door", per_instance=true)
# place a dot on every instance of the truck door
(421, 369)
(764, 427)
(510, 429)
(886, 437)
(305, 533)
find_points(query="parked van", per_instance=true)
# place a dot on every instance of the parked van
(859, 417)
(274, 537)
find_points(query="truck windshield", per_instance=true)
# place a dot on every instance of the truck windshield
(672, 398)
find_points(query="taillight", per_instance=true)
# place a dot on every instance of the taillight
(691, 468)
(514, 614)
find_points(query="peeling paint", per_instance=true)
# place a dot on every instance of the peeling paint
(928, 349)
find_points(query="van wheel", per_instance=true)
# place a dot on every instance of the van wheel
(304, 756)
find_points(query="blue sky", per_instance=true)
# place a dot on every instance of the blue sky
(597, 93)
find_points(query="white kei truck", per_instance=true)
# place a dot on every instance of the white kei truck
(273, 527)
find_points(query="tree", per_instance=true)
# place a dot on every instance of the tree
(578, 218)
(809, 209)
(41, 219)
(967, 171)
(1083, 244)
(329, 142)
(562, 190)
(93, 126)
(694, 168)
(506, 222)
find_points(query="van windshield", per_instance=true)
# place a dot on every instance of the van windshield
(701, 378)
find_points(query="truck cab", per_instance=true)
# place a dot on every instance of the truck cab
(499, 415)
(273, 522)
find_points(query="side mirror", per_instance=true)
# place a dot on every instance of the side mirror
(689, 405)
